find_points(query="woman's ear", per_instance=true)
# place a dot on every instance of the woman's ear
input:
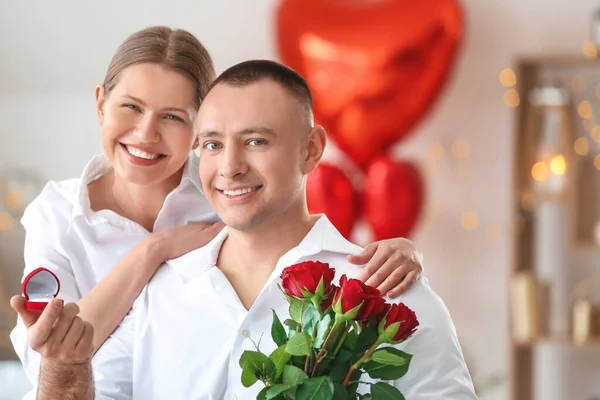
(315, 146)
(100, 100)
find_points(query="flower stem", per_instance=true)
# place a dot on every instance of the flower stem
(364, 358)
(341, 341)
(306, 363)
(330, 339)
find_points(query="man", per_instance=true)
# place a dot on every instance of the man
(187, 330)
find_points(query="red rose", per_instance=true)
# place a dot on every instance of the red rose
(302, 280)
(406, 318)
(353, 293)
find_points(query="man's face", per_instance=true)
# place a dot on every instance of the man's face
(254, 153)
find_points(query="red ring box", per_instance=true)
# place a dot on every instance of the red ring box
(39, 288)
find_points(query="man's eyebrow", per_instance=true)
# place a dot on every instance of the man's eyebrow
(257, 129)
(209, 134)
(246, 131)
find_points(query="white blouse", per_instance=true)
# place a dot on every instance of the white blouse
(64, 235)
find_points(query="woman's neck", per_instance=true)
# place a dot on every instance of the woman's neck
(138, 203)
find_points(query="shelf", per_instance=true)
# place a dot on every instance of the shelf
(560, 341)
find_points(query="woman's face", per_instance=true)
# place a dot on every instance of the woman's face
(147, 123)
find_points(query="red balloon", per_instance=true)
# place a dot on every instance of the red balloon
(393, 198)
(329, 191)
(374, 67)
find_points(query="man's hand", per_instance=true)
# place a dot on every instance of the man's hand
(57, 333)
(393, 265)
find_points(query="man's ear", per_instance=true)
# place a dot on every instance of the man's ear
(100, 100)
(315, 146)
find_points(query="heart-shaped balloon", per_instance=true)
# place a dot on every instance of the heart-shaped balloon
(329, 191)
(393, 198)
(375, 67)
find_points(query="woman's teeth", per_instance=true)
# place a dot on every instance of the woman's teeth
(141, 154)
(239, 192)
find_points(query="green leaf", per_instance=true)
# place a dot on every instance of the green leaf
(339, 393)
(278, 331)
(299, 344)
(291, 323)
(388, 372)
(280, 358)
(322, 331)
(262, 366)
(297, 308)
(386, 356)
(310, 318)
(293, 375)
(248, 375)
(385, 372)
(319, 388)
(262, 395)
(276, 390)
(366, 339)
(351, 340)
(340, 365)
(384, 391)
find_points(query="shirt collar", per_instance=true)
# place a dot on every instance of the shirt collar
(99, 166)
(323, 236)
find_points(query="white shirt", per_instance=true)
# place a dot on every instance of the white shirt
(81, 246)
(186, 332)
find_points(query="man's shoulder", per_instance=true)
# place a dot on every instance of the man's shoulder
(429, 307)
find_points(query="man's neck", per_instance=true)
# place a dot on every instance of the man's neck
(265, 245)
(248, 258)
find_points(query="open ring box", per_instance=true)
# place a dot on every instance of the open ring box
(39, 288)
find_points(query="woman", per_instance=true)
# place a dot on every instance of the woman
(105, 234)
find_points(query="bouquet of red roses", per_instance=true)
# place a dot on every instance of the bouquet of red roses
(334, 335)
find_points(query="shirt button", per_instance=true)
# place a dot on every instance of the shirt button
(232, 397)
(245, 334)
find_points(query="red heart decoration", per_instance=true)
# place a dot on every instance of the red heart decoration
(329, 191)
(393, 198)
(374, 67)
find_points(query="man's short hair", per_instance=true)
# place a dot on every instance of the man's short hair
(248, 72)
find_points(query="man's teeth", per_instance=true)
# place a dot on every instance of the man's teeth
(239, 192)
(142, 154)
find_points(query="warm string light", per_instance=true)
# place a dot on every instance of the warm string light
(539, 171)
(7, 221)
(436, 152)
(597, 162)
(589, 49)
(469, 221)
(581, 146)
(512, 98)
(14, 199)
(461, 148)
(584, 109)
(508, 79)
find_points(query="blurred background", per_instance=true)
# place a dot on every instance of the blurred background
(471, 127)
